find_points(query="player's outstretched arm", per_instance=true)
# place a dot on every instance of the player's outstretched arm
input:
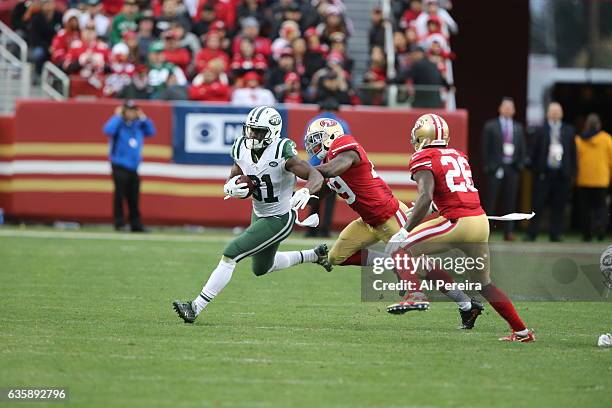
(425, 186)
(339, 164)
(303, 169)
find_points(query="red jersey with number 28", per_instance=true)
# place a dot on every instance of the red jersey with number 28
(454, 192)
(366, 193)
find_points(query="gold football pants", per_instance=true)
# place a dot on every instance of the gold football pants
(358, 234)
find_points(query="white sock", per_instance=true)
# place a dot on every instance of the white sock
(522, 332)
(286, 259)
(218, 279)
(462, 300)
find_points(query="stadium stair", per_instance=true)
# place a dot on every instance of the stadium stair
(359, 11)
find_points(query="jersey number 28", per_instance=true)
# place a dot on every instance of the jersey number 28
(460, 168)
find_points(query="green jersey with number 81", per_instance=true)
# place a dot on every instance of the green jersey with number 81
(274, 183)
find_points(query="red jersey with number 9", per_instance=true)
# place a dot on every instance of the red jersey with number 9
(454, 192)
(366, 193)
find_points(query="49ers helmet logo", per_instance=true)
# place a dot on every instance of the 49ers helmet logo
(327, 122)
(419, 124)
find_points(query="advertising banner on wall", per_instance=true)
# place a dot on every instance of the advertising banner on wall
(56, 166)
(205, 134)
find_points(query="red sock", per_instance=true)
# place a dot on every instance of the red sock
(440, 275)
(354, 259)
(503, 305)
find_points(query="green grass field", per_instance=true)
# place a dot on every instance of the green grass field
(94, 315)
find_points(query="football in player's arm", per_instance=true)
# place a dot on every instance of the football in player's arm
(272, 164)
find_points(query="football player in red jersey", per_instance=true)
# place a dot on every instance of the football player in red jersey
(443, 175)
(350, 173)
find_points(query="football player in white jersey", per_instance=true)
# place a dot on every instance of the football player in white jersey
(272, 164)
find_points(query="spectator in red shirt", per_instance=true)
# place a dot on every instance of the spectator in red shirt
(212, 50)
(226, 42)
(250, 30)
(65, 37)
(112, 7)
(439, 55)
(410, 15)
(291, 91)
(314, 42)
(434, 27)
(173, 53)
(206, 86)
(88, 57)
(247, 60)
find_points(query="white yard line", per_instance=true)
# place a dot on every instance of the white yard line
(538, 248)
(133, 237)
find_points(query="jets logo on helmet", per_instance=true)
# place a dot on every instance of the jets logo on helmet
(262, 127)
(320, 135)
(275, 120)
(430, 130)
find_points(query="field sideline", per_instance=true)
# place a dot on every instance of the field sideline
(91, 311)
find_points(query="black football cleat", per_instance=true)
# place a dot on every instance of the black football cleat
(322, 259)
(468, 317)
(184, 310)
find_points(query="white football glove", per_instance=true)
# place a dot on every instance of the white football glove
(397, 241)
(300, 199)
(232, 189)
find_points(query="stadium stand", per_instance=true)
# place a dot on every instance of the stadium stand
(206, 49)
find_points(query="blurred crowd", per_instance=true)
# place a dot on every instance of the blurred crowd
(244, 51)
(421, 46)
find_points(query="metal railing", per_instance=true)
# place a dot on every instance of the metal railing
(54, 82)
(15, 70)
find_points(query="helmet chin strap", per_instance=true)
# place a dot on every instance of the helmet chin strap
(264, 143)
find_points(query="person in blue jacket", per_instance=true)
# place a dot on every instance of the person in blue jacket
(328, 109)
(127, 130)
